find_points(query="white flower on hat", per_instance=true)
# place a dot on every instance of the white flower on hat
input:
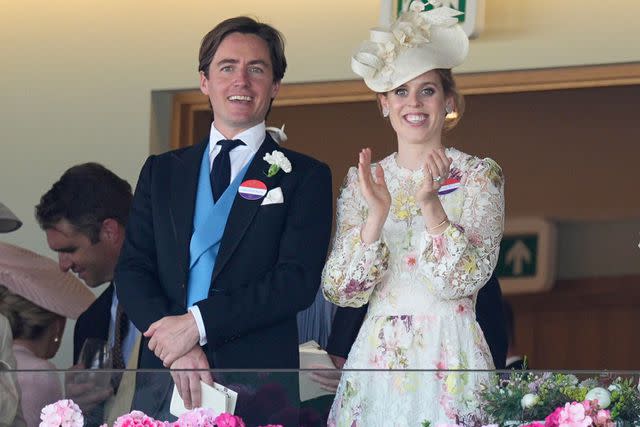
(418, 6)
(278, 161)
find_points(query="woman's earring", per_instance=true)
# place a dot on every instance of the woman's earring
(56, 339)
(385, 112)
(448, 109)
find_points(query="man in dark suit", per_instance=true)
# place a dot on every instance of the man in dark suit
(84, 216)
(347, 322)
(227, 239)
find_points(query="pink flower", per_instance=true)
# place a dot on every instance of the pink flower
(460, 309)
(603, 418)
(136, 419)
(410, 261)
(534, 424)
(553, 419)
(198, 417)
(571, 415)
(228, 420)
(62, 413)
(272, 425)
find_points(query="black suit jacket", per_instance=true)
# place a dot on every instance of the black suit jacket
(94, 322)
(268, 267)
(347, 322)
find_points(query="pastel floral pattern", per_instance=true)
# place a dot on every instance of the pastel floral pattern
(421, 292)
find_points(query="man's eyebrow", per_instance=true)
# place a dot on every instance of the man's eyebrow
(227, 61)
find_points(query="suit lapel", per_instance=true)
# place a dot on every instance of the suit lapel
(243, 210)
(185, 169)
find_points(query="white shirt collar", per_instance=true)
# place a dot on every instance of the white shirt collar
(252, 137)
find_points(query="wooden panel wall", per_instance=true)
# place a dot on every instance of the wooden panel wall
(581, 324)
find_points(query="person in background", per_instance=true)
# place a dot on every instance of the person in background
(84, 215)
(10, 411)
(37, 298)
(418, 235)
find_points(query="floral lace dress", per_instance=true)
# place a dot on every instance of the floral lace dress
(421, 292)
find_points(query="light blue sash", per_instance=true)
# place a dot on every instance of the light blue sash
(209, 222)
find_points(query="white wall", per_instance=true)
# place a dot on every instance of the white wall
(76, 76)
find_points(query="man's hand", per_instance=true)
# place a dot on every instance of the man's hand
(172, 337)
(188, 382)
(327, 379)
(83, 390)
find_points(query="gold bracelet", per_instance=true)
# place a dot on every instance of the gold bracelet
(444, 221)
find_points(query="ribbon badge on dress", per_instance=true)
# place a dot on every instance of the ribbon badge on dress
(452, 183)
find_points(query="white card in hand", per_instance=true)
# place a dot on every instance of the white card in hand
(217, 398)
(232, 397)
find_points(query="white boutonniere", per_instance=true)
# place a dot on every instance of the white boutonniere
(278, 161)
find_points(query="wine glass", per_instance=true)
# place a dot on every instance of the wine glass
(95, 355)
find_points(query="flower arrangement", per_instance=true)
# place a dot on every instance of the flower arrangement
(562, 400)
(65, 413)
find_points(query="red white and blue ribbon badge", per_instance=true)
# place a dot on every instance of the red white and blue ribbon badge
(252, 189)
(449, 185)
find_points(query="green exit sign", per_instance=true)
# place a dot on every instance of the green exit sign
(471, 20)
(518, 256)
(459, 5)
(527, 256)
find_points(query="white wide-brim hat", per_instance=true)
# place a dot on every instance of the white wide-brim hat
(419, 41)
(39, 280)
(8, 221)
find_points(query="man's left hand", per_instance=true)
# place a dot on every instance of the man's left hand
(187, 372)
(172, 337)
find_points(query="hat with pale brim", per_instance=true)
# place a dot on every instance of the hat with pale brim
(417, 42)
(8, 221)
(39, 280)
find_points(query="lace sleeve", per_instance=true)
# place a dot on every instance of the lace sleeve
(353, 268)
(460, 261)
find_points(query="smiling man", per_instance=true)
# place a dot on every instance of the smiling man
(84, 215)
(226, 239)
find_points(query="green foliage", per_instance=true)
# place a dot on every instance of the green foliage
(503, 402)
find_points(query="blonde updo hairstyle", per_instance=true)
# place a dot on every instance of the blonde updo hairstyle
(28, 321)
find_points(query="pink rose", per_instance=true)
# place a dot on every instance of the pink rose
(534, 424)
(228, 420)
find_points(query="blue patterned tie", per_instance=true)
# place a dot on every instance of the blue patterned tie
(220, 175)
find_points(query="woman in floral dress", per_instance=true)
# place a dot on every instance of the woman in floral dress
(418, 235)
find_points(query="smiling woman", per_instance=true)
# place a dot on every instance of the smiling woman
(415, 251)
